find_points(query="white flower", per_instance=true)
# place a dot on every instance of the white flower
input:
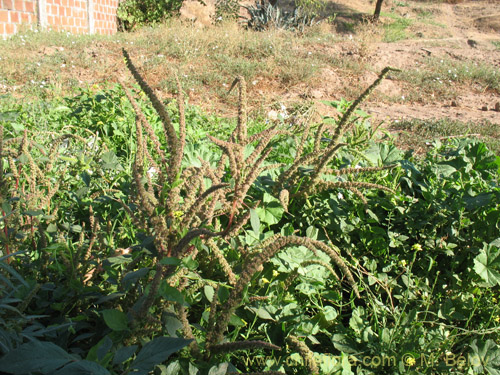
(152, 171)
(340, 195)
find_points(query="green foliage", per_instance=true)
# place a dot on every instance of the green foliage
(132, 14)
(311, 7)
(78, 268)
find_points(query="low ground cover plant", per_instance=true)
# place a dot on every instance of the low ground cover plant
(139, 237)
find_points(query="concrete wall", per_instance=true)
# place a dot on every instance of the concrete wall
(75, 16)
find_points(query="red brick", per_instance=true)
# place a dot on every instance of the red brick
(8, 4)
(26, 17)
(14, 17)
(10, 28)
(2, 29)
(4, 16)
(19, 4)
(30, 7)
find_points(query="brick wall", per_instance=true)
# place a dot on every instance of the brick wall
(14, 13)
(76, 16)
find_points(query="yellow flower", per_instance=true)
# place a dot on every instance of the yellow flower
(417, 247)
(410, 361)
(275, 273)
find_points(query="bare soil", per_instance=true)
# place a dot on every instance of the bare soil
(454, 31)
(463, 33)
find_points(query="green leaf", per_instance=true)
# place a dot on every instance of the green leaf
(444, 170)
(110, 161)
(104, 348)
(209, 292)
(156, 352)
(170, 261)
(82, 368)
(487, 265)
(33, 212)
(123, 354)
(131, 278)
(9, 116)
(255, 221)
(271, 211)
(261, 312)
(170, 293)
(190, 263)
(485, 358)
(220, 369)
(35, 356)
(115, 319)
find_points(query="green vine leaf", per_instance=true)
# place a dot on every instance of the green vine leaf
(487, 264)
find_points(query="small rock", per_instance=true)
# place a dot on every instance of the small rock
(484, 108)
(472, 43)
(272, 115)
(316, 94)
(497, 106)
(454, 103)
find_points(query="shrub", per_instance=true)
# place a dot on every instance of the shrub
(135, 13)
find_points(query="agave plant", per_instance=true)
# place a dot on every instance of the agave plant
(265, 16)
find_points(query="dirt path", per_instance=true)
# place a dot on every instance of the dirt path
(458, 34)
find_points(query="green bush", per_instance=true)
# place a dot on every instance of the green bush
(135, 13)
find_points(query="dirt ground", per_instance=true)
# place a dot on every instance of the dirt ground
(462, 32)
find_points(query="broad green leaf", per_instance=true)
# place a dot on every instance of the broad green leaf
(173, 368)
(35, 356)
(115, 319)
(485, 358)
(110, 161)
(131, 278)
(170, 293)
(104, 348)
(236, 321)
(170, 261)
(219, 369)
(261, 312)
(9, 116)
(123, 354)
(193, 370)
(82, 368)
(209, 292)
(444, 170)
(190, 263)
(271, 210)
(172, 324)
(33, 212)
(487, 265)
(312, 232)
(156, 352)
(255, 221)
